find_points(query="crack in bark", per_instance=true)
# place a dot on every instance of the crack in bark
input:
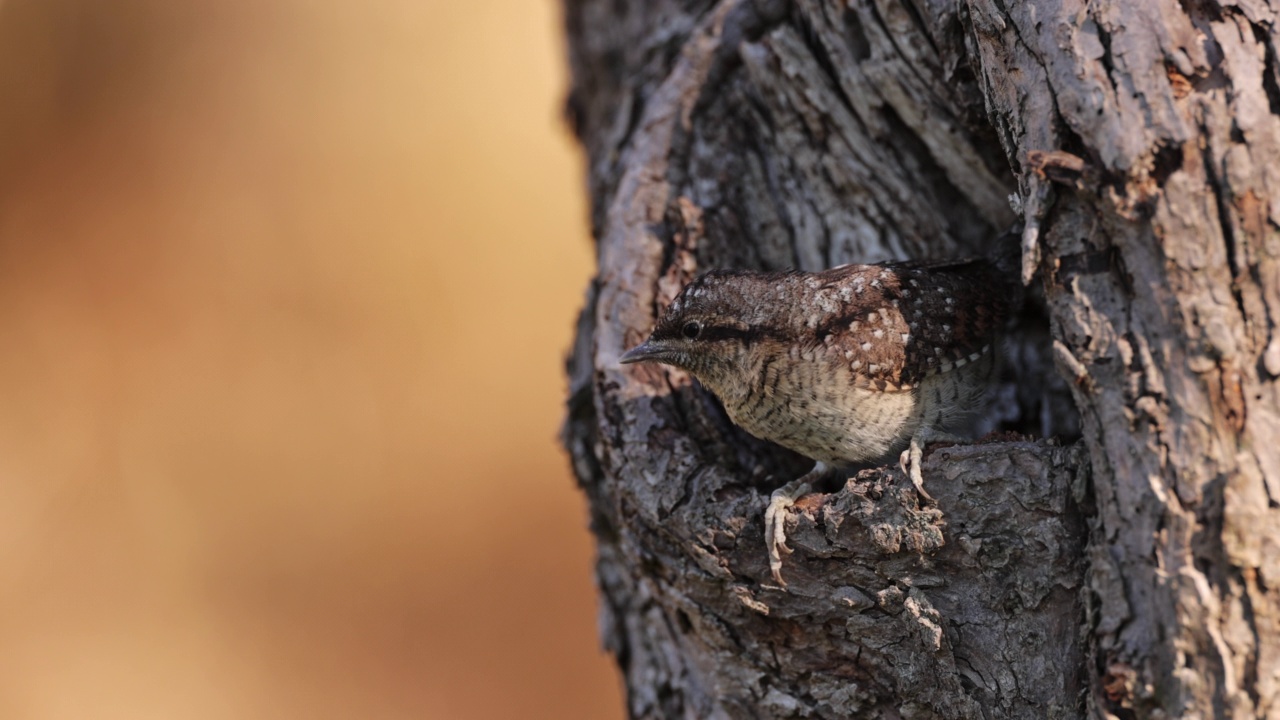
(817, 167)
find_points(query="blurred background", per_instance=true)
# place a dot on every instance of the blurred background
(284, 290)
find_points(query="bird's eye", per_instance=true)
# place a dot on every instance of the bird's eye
(691, 330)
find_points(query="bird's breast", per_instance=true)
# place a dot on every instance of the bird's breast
(816, 409)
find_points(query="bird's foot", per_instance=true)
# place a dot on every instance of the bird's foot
(913, 457)
(775, 517)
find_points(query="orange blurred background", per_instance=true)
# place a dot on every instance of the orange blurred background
(284, 292)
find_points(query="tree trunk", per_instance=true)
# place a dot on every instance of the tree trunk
(1135, 573)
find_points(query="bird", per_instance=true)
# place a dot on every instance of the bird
(849, 365)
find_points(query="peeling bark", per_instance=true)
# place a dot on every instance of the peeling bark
(1135, 574)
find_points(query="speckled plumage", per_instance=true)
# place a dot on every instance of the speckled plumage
(847, 365)
(841, 365)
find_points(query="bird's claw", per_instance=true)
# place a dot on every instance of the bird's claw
(775, 531)
(775, 518)
(912, 458)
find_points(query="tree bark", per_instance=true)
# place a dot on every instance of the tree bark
(1132, 574)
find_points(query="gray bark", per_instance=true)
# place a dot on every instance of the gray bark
(1133, 574)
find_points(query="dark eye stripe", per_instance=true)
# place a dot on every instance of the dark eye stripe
(714, 333)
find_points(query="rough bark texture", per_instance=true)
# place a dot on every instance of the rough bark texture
(1136, 574)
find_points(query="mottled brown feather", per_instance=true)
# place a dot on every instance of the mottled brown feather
(946, 312)
(842, 365)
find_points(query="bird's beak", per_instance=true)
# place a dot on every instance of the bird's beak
(650, 351)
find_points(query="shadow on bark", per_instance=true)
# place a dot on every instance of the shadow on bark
(1141, 141)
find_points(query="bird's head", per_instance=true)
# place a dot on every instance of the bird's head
(710, 327)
